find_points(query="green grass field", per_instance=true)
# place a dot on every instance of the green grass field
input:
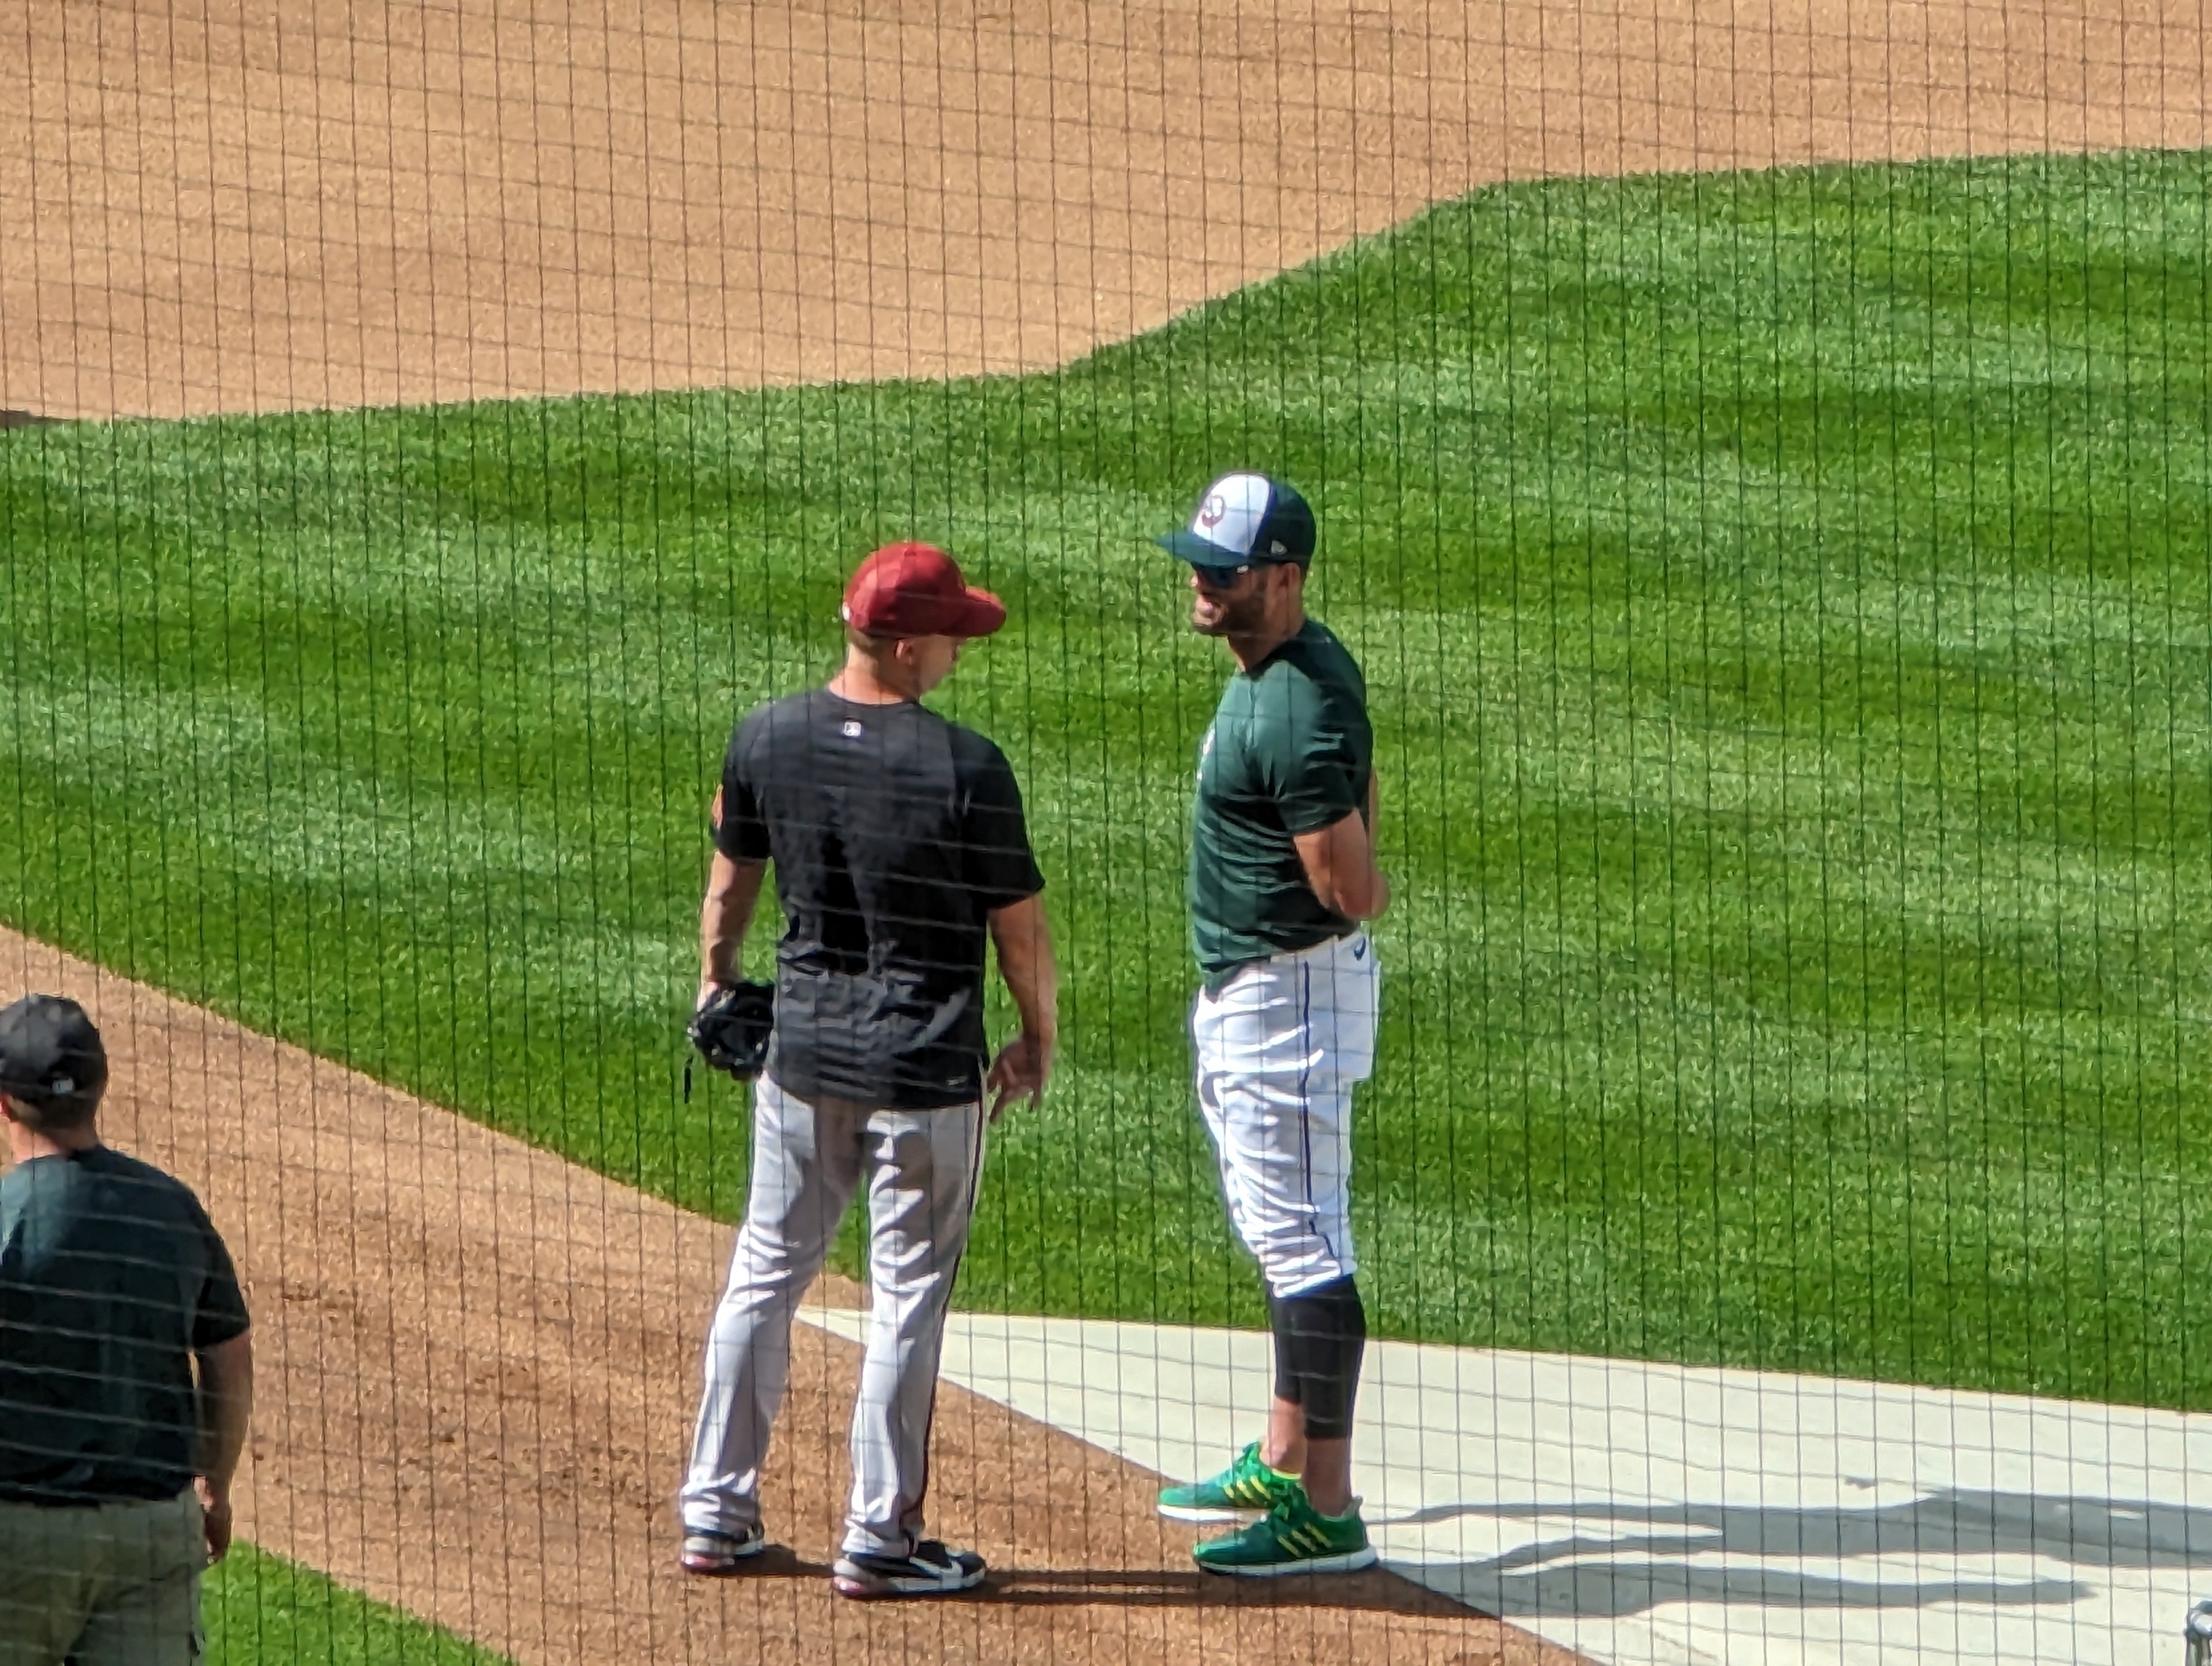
(256, 1608)
(1786, 599)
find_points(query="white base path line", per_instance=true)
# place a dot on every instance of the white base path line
(1660, 1513)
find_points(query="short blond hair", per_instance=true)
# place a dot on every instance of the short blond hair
(874, 646)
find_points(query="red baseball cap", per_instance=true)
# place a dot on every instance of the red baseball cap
(916, 590)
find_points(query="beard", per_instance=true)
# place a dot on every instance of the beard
(1242, 613)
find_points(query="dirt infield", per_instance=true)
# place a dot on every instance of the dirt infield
(478, 1368)
(232, 205)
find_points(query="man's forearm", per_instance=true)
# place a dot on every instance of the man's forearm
(1376, 893)
(1024, 938)
(226, 1410)
(1378, 883)
(732, 893)
(1341, 869)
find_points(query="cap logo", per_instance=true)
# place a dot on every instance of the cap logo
(1233, 515)
(63, 1085)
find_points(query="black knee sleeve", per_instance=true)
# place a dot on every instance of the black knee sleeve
(1320, 1336)
(1286, 1379)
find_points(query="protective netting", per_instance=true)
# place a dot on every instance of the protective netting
(1762, 459)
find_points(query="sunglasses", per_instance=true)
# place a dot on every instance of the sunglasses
(1221, 578)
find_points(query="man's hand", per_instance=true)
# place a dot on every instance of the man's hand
(215, 1515)
(226, 1412)
(1019, 1071)
(1024, 938)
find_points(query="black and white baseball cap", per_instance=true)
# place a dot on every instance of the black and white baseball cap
(50, 1053)
(1244, 518)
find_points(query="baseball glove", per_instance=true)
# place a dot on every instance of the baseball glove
(731, 1031)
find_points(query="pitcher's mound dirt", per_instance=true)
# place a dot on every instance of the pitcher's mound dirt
(237, 204)
(478, 1367)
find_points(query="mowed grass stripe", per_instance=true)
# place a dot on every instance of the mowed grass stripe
(257, 1607)
(1786, 599)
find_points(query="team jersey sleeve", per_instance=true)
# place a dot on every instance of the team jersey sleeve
(1314, 768)
(997, 866)
(220, 1315)
(740, 830)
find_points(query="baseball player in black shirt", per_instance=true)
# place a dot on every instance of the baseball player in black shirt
(899, 845)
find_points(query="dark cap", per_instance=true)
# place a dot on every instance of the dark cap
(50, 1054)
(1244, 518)
(916, 590)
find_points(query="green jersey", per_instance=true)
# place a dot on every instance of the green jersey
(1289, 752)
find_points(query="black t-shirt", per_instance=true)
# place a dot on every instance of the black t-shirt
(111, 1277)
(894, 833)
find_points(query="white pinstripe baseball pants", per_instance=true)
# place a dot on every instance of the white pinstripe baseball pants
(1279, 1050)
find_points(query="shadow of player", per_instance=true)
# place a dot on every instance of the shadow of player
(1610, 1574)
(1377, 1591)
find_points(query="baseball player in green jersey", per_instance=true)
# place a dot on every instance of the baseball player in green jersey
(1282, 881)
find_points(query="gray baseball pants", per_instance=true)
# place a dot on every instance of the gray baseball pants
(920, 1167)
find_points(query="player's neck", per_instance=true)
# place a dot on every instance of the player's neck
(25, 1143)
(1251, 647)
(864, 681)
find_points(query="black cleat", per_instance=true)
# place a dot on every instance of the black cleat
(931, 1571)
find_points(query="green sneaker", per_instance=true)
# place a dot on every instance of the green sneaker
(1244, 1491)
(1295, 1538)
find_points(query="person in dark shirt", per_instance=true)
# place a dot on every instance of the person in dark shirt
(126, 1370)
(899, 848)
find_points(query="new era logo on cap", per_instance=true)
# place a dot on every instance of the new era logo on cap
(1246, 517)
